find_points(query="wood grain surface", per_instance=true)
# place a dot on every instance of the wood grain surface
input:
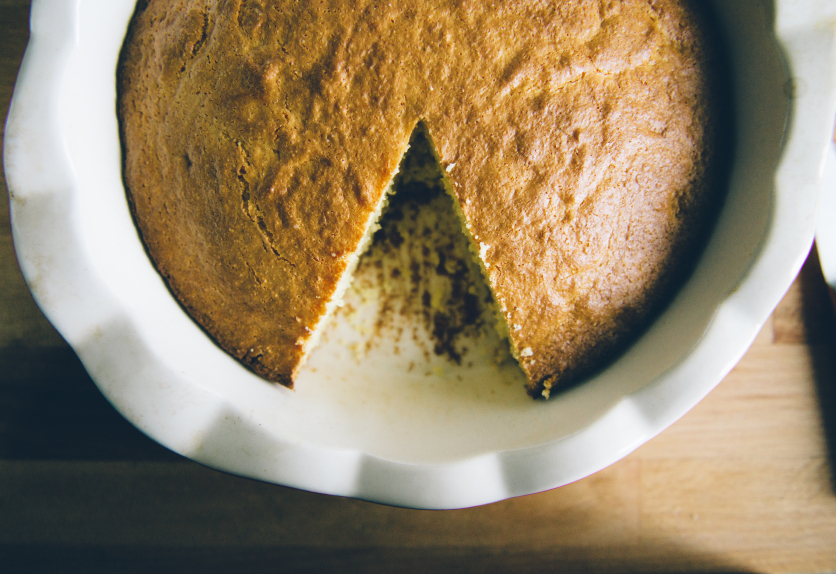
(743, 483)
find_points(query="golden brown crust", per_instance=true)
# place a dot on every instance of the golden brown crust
(259, 137)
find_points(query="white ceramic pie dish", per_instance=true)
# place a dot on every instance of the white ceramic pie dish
(368, 428)
(826, 220)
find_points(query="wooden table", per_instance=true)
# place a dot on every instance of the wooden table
(742, 483)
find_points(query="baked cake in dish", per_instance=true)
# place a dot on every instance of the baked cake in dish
(577, 140)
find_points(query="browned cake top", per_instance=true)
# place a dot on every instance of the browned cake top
(259, 137)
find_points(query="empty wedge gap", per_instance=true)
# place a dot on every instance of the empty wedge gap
(421, 267)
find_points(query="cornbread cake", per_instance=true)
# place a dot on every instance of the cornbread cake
(577, 140)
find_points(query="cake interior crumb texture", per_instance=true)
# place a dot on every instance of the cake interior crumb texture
(582, 143)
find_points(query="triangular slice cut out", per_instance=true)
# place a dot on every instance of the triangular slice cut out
(419, 283)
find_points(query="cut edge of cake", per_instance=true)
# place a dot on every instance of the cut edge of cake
(347, 276)
(477, 251)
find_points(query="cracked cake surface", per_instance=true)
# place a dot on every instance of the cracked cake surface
(577, 139)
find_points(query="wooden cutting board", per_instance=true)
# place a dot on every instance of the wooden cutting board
(743, 483)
